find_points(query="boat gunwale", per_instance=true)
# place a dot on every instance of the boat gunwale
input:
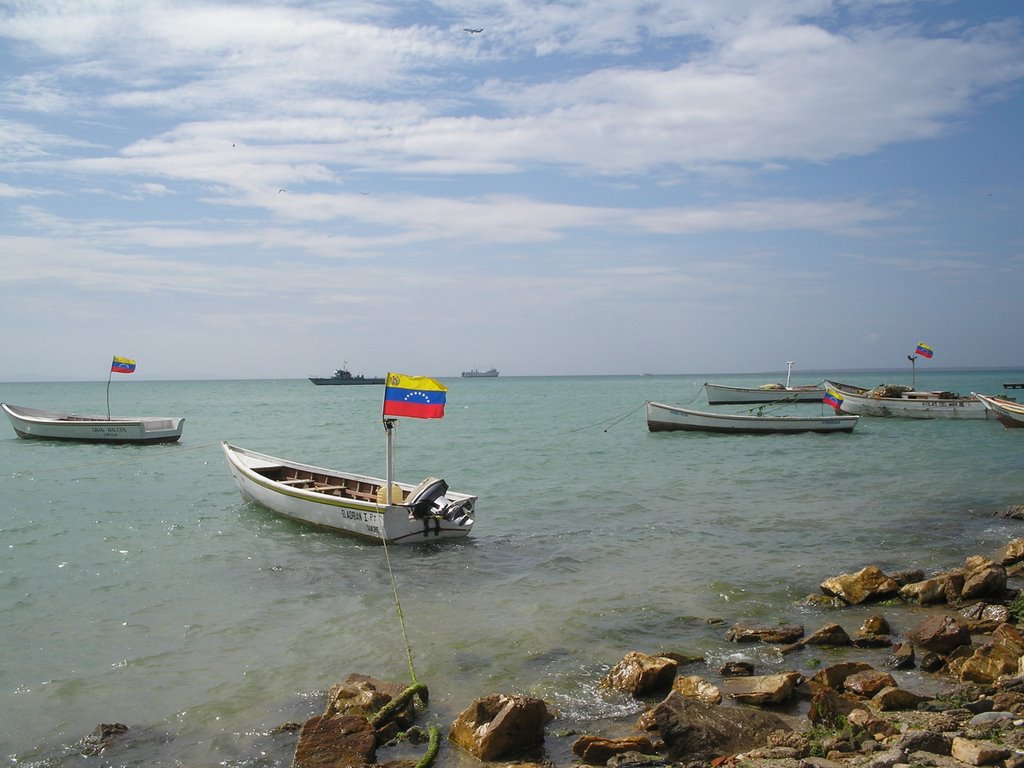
(39, 416)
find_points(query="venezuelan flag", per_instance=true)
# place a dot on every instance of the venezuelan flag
(924, 350)
(832, 398)
(122, 365)
(415, 396)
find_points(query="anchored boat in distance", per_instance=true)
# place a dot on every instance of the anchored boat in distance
(344, 376)
(475, 374)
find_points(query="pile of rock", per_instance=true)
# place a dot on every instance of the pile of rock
(855, 712)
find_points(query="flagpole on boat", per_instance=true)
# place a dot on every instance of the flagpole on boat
(913, 371)
(109, 375)
(389, 427)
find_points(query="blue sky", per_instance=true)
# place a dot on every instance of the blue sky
(269, 189)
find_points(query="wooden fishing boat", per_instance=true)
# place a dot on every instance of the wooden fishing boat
(664, 418)
(904, 402)
(54, 425)
(723, 394)
(353, 504)
(1009, 412)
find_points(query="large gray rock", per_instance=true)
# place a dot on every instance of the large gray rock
(692, 729)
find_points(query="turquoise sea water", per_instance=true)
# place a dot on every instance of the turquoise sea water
(137, 587)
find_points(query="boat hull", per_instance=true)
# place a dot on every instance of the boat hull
(914, 405)
(359, 518)
(722, 394)
(1009, 413)
(32, 423)
(667, 418)
(354, 381)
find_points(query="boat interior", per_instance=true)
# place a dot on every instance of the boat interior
(320, 482)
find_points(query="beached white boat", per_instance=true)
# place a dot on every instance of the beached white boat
(903, 402)
(723, 394)
(353, 504)
(54, 425)
(664, 418)
(1009, 412)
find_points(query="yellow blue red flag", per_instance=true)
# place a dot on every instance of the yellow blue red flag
(122, 365)
(924, 350)
(833, 398)
(415, 396)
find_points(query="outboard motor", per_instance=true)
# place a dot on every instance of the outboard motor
(460, 512)
(430, 493)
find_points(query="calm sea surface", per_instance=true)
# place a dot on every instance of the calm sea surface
(137, 587)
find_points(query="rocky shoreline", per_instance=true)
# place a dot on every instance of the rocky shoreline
(853, 713)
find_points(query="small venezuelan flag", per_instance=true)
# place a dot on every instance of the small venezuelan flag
(924, 350)
(415, 396)
(832, 398)
(122, 365)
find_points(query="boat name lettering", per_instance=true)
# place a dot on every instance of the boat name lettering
(110, 430)
(354, 514)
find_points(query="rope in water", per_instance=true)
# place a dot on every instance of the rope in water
(398, 610)
(614, 419)
(416, 689)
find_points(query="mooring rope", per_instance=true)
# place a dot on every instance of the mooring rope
(615, 419)
(416, 689)
(398, 607)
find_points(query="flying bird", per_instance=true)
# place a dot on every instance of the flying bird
(473, 31)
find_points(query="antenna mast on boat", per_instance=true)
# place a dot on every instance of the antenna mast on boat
(789, 371)
(109, 375)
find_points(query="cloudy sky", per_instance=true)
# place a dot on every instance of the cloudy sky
(269, 189)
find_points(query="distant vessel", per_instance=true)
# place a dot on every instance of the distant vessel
(475, 374)
(342, 376)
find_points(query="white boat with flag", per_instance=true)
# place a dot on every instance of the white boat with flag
(669, 418)
(724, 394)
(372, 508)
(61, 425)
(901, 401)
(56, 425)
